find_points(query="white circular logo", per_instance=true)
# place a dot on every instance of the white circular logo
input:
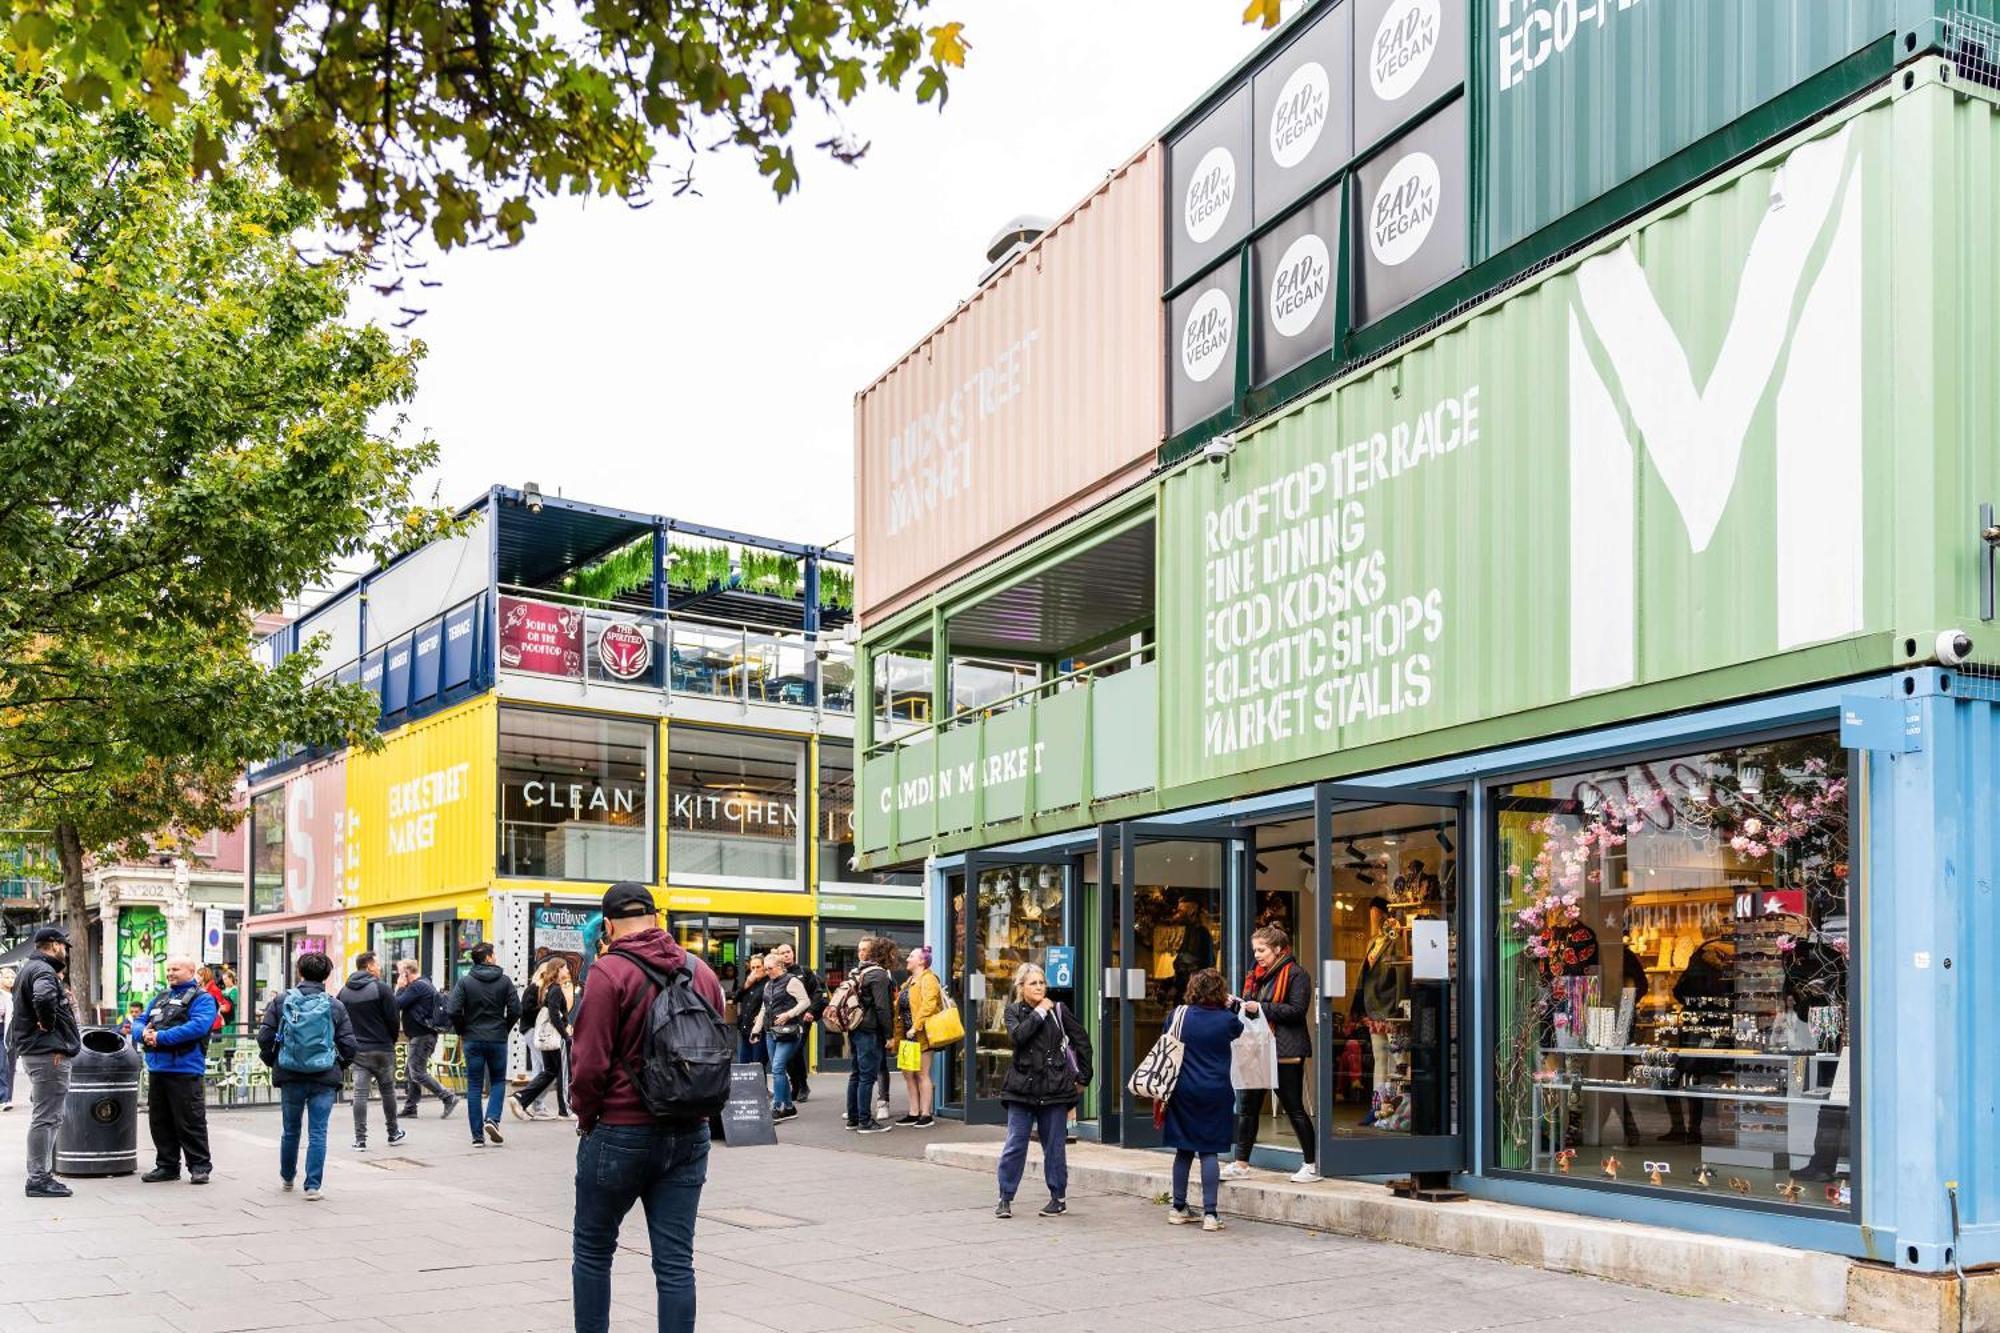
(1300, 285)
(1404, 43)
(1210, 192)
(1405, 209)
(1300, 114)
(1206, 338)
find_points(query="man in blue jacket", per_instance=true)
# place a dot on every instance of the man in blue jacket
(174, 1033)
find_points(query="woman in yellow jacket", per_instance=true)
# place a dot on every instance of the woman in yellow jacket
(920, 997)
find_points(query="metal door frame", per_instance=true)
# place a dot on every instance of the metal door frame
(1134, 1127)
(979, 1110)
(1404, 1153)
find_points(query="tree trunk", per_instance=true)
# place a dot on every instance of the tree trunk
(76, 920)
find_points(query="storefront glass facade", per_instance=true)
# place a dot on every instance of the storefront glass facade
(733, 809)
(574, 796)
(835, 829)
(1673, 961)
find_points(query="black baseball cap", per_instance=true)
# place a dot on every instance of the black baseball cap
(56, 934)
(626, 899)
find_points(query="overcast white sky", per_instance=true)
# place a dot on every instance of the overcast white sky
(700, 357)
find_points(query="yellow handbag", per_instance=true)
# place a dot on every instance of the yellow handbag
(945, 1026)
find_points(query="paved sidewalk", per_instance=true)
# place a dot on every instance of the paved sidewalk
(823, 1232)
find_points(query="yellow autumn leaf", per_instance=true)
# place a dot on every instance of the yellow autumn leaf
(948, 44)
(1262, 11)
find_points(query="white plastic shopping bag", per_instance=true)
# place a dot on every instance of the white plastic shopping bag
(1253, 1057)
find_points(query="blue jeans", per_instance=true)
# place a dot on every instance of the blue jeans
(485, 1067)
(313, 1104)
(782, 1051)
(750, 1050)
(1211, 1179)
(662, 1167)
(861, 1081)
(1051, 1125)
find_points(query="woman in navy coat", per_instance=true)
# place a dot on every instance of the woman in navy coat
(1201, 1115)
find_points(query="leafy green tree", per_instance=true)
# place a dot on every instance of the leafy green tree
(185, 441)
(454, 116)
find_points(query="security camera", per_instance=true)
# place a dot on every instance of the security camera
(1218, 449)
(1953, 647)
(821, 648)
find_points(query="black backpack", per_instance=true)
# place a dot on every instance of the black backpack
(683, 1071)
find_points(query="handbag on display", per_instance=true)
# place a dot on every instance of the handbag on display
(910, 1056)
(945, 1026)
(1160, 1071)
(1253, 1057)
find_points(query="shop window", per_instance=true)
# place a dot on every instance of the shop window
(267, 973)
(393, 941)
(733, 809)
(1673, 964)
(573, 796)
(836, 824)
(267, 852)
(1020, 917)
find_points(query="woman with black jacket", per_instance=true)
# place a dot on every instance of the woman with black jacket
(554, 985)
(1278, 988)
(748, 999)
(1051, 1066)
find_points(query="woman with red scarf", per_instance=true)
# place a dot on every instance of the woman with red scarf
(1278, 988)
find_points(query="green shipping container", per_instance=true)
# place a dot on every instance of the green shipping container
(1577, 97)
(1738, 443)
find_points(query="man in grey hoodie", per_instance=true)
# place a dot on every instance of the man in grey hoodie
(371, 1008)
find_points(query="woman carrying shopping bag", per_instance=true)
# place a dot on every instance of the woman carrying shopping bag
(1201, 1113)
(922, 997)
(1278, 990)
(1050, 1068)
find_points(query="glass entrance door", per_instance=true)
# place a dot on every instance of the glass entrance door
(1386, 890)
(1015, 912)
(1177, 888)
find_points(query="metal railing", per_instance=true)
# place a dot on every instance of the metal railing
(1068, 680)
(564, 636)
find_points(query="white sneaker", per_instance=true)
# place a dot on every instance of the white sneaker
(1306, 1174)
(1211, 1223)
(1177, 1217)
(312, 1196)
(1236, 1171)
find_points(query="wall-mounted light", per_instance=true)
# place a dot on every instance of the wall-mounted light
(531, 496)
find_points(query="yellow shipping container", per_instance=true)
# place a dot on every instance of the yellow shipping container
(421, 818)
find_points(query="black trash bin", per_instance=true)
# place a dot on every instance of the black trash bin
(100, 1128)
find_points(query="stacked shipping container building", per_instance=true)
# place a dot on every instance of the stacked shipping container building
(1501, 492)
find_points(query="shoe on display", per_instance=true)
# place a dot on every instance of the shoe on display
(1053, 1208)
(313, 1196)
(1306, 1174)
(493, 1131)
(514, 1108)
(1179, 1216)
(158, 1174)
(872, 1127)
(1236, 1171)
(198, 1178)
(1211, 1223)
(397, 1136)
(1004, 1208)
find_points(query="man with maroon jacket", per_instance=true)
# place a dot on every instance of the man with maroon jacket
(626, 1155)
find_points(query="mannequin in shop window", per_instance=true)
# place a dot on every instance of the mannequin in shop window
(1378, 1002)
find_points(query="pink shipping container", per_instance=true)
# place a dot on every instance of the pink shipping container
(1040, 396)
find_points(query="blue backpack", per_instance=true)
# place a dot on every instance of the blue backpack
(305, 1032)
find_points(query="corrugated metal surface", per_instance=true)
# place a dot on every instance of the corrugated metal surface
(1039, 393)
(421, 817)
(1579, 97)
(1705, 444)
